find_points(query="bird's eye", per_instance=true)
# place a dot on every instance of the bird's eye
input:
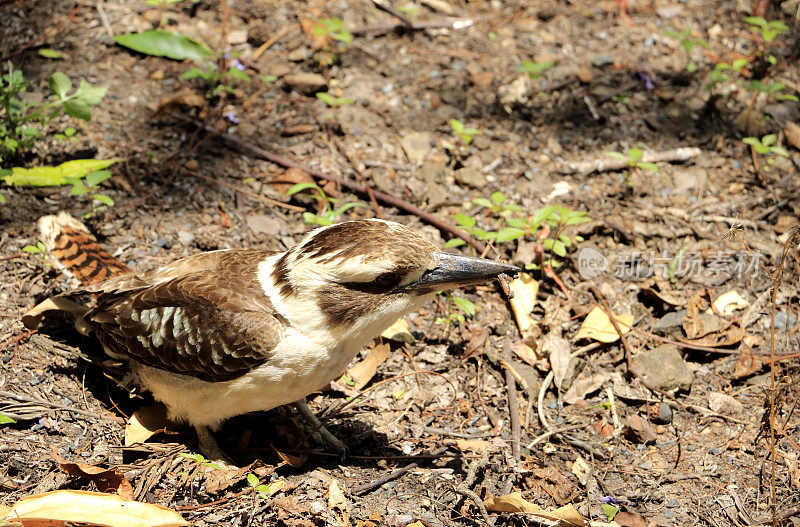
(388, 280)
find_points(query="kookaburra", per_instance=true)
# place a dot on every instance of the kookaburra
(227, 332)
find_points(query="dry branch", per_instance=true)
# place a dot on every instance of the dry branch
(606, 164)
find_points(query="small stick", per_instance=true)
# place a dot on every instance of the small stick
(55, 406)
(391, 476)
(513, 406)
(246, 192)
(459, 23)
(268, 44)
(607, 164)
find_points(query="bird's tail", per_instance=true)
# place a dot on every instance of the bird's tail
(74, 249)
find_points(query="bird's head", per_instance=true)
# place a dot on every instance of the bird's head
(358, 277)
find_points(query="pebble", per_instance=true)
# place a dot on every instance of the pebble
(669, 513)
(673, 503)
(308, 83)
(470, 177)
(724, 404)
(602, 60)
(664, 416)
(663, 368)
(637, 430)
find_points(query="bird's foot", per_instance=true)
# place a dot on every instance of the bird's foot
(321, 434)
(209, 447)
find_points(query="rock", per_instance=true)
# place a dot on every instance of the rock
(553, 146)
(662, 415)
(308, 83)
(186, 238)
(300, 54)
(724, 404)
(669, 321)
(602, 60)
(434, 172)
(585, 75)
(790, 7)
(470, 177)
(417, 146)
(668, 12)
(481, 142)
(263, 224)
(663, 368)
(639, 431)
(784, 112)
(792, 132)
(259, 32)
(516, 92)
(689, 179)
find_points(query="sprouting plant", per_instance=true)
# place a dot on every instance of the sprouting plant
(333, 28)
(218, 80)
(766, 146)
(199, 458)
(768, 30)
(410, 10)
(329, 213)
(89, 185)
(497, 204)
(265, 490)
(332, 101)
(773, 88)
(462, 133)
(39, 248)
(688, 43)
(22, 123)
(718, 74)
(534, 69)
(464, 308)
(621, 99)
(633, 159)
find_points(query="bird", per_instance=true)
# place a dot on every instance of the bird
(232, 331)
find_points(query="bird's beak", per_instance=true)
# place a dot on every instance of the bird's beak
(454, 270)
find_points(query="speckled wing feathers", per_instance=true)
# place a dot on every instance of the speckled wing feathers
(205, 316)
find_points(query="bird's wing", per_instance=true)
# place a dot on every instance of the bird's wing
(214, 324)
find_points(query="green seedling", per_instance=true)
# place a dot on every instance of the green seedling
(719, 74)
(772, 88)
(534, 70)
(621, 99)
(200, 459)
(769, 30)
(332, 101)
(329, 213)
(333, 28)
(462, 133)
(766, 147)
(463, 308)
(218, 81)
(22, 123)
(265, 490)
(633, 159)
(688, 43)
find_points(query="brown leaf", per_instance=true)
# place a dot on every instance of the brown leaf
(336, 498)
(746, 363)
(105, 479)
(290, 177)
(185, 99)
(145, 422)
(514, 502)
(93, 508)
(585, 384)
(555, 483)
(216, 481)
(292, 461)
(630, 519)
(598, 326)
(363, 372)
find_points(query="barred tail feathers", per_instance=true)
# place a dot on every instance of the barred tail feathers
(77, 251)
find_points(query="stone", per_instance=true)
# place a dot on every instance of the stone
(470, 177)
(186, 238)
(663, 368)
(602, 60)
(481, 142)
(639, 431)
(689, 179)
(791, 7)
(724, 404)
(308, 83)
(662, 415)
(585, 75)
(417, 146)
(553, 146)
(792, 133)
(263, 224)
(669, 321)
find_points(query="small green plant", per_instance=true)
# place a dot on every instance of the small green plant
(329, 213)
(219, 81)
(462, 133)
(6, 420)
(633, 159)
(766, 147)
(622, 101)
(332, 101)
(39, 248)
(463, 308)
(265, 490)
(718, 74)
(89, 185)
(772, 88)
(200, 459)
(22, 123)
(688, 43)
(410, 10)
(333, 28)
(534, 70)
(769, 30)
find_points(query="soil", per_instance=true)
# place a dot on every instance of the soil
(671, 427)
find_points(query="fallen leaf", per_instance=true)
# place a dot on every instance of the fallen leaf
(399, 332)
(585, 384)
(746, 364)
(557, 348)
(729, 302)
(184, 99)
(630, 519)
(93, 508)
(524, 352)
(292, 461)
(554, 482)
(514, 502)
(34, 315)
(363, 372)
(145, 422)
(525, 288)
(597, 325)
(478, 445)
(336, 499)
(581, 470)
(290, 177)
(105, 479)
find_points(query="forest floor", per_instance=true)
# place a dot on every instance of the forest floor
(670, 425)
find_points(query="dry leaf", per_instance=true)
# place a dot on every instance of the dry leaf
(630, 519)
(34, 315)
(585, 384)
(105, 479)
(729, 302)
(558, 349)
(597, 325)
(145, 422)
(399, 332)
(514, 502)
(290, 177)
(525, 289)
(478, 445)
(581, 470)
(524, 352)
(336, 499)
(94, 508)
(363, 372)
(186, 98)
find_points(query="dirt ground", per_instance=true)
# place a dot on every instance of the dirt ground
(670, 427)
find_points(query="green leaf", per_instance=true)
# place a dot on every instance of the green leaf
(95, 178)
(617, 155)
(779, 150)
(59, 84)
(756, 85)
(753, 141)
(454, 242)
(775, 86)
(299, 187)
(2, 199)
(58, 175)
(78, 109)
(559, 248)
(32, 249)
(769, 139)
(483, 202)
(6, 420)
(91, 95)
(738, 64)
(635, 154)
(105, 200)
(464, 305)
(498, 197)
(160, 43)
(466, 221)
(79, 189)
(610, 510)
(327, 98)
(456, 125)
(236, 73)
(787, 97)
(69, 132)
(252, 480)
(50, 53)
(646, 166)
(520, 223)
(508, 234)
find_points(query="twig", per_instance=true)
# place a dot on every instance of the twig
(465, 488)
(383, 5)
(366, 487)
(17, 339)
(513, 406)
(273, 39)
(606, 164)
(353, 187)
(55, 406)
(104, 19)
(458, 23)
(246, 192)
